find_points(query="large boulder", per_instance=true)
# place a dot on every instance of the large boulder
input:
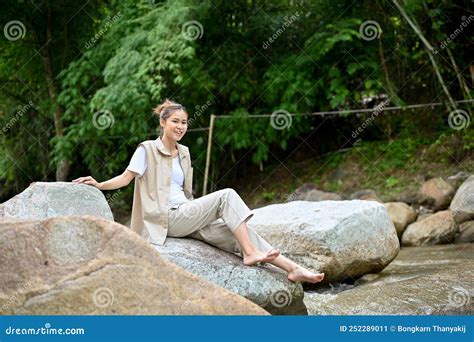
(91, 266)
(439, 228)
(343, 239)
(465, 233)
(462, 204)
(266, 286)
(42, 200)
(401, 215)
(436, 193)
(428, 280)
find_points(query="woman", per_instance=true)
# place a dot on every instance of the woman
(163, 204)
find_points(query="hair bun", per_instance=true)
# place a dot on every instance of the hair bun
(163, 106)
(165, 109)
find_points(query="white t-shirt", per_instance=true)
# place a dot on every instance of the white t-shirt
(138, 164)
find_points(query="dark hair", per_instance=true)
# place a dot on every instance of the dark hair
(167, 108)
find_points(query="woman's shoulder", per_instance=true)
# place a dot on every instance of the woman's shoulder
(146, 143)
(183, 148)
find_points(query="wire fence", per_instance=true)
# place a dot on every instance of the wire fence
(380, 108)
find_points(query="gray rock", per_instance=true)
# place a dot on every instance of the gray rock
(423, 216)
(439, 228)
(309, 192)
(421, 210)
(85, 265)
(436, 193)
(407, 197)
(428, 280)
(318, 195)
(457, 179)
(343, 239)
(266, 286)
(43, 200)
(462, 204)
(465, 233)
(337, 175)
(401, 215)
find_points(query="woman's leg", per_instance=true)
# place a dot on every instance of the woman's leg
(226, 204)
(215, 234)
(220, 219)
(295, 271)
(251, 253)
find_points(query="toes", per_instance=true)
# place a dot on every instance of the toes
(306, 277)
(274, 252)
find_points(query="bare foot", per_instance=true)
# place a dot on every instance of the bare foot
(258, 256)
(304, 275)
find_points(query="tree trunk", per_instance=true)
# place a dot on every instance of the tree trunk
(462, 82)
(392, 93)
(62, 168)
(412, 23)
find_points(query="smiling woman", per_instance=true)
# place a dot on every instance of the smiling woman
(174, 119)
(163, 203)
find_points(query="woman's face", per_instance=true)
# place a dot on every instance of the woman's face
(175, 126)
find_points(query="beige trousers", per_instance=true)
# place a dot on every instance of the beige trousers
(213, 218)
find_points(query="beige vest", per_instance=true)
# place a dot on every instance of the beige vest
(151, 194)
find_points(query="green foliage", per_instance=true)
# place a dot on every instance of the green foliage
(334, 186)
(123, 75)
(453, 146)
(392, 182)
(113, 61)
(268, 196)
(389, 155)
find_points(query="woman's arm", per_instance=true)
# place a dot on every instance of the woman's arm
(115, 183)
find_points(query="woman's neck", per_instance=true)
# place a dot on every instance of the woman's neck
(169, 144)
